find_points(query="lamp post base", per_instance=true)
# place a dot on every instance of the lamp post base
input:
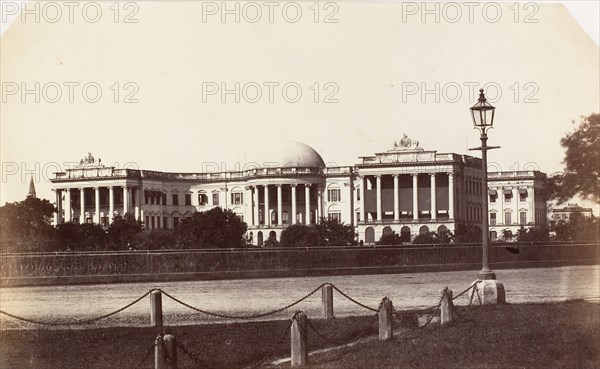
(485, 275)
(489, 291)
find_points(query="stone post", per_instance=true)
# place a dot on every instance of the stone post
(327, 297)
(447, 308)
(299, 340)
(165, 352)
(156, 318)
(386, 320)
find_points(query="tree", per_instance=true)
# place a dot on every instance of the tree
(74, 236)
(123, 230)
(391, 239)
(326, 233)
(578, 228)
(215, 228)
(25, 225)
(582, 158)
(467, 233)
(298, 235)
(426, 238)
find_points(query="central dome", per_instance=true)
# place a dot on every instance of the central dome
(285, 154)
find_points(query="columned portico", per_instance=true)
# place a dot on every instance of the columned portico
(415, 193)
(294, 210)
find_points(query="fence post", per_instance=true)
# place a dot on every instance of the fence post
(386, 320)
(299, 339)
(165, 352)
(156, 316)
(446, 314)
(327, 297)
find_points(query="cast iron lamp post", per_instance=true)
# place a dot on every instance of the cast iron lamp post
(483, 119)
(492, 290)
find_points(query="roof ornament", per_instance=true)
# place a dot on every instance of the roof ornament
(406, 143)
(89, 161)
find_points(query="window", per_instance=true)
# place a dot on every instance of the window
(175, 199)
(492, 218)
(104, 221)
(507, 218)
(522, 196)
(493, 198)
(188, 199)
(202, 199)
(260, 217)
(523, 217)
(358, 216)
(147, 222)
(285, 217)
(215, 199)
(334, 216)
(164, 199)
(507, 195)
(493, 235)
(237, 198)
(165, 222)
(358, 194)
(175, 222)
(334, 195)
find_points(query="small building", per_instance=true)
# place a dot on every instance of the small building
(516, 199)
(562, 215)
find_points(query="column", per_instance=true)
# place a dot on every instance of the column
(266, 215)
(451, 195)
(125, 200)
(396, 199)
(82, 205)
(433, 199)
(307, 199)
(362, 187)
(68, 211)
(111, 204)
(256, 205)
(58, 219)
(279, 206)
(415, 196)
(97, 204)
(138, 203)
(379, 217)
(532, 214)
(293, 204)
(319, 205)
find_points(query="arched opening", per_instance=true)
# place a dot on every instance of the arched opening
(387, 230)
(405, 234)
(442, 231)
(272, 235)
(259, 238)
(251, 238)
(423, 230)
(369, 235)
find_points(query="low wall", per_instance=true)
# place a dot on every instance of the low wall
(138, 266)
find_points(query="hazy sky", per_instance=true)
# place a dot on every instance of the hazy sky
(384, 68)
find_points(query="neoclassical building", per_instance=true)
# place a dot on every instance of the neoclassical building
(516, 199)
(405, 189)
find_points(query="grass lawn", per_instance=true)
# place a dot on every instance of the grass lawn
(549, 335)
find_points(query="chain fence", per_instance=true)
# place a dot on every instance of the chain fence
(431, 312)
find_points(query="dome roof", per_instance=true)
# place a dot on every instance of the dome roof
(285, 154)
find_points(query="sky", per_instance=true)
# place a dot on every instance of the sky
(153, 84)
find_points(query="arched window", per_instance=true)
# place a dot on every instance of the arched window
(423, 230)
(369, 235)
(259, 238)
(405, 234)
(387, 230)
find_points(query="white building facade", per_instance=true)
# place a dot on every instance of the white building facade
(516, 199)
(405, 189)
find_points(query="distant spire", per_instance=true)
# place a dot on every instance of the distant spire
(31, 189)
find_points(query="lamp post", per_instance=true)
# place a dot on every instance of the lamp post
(483, 119)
